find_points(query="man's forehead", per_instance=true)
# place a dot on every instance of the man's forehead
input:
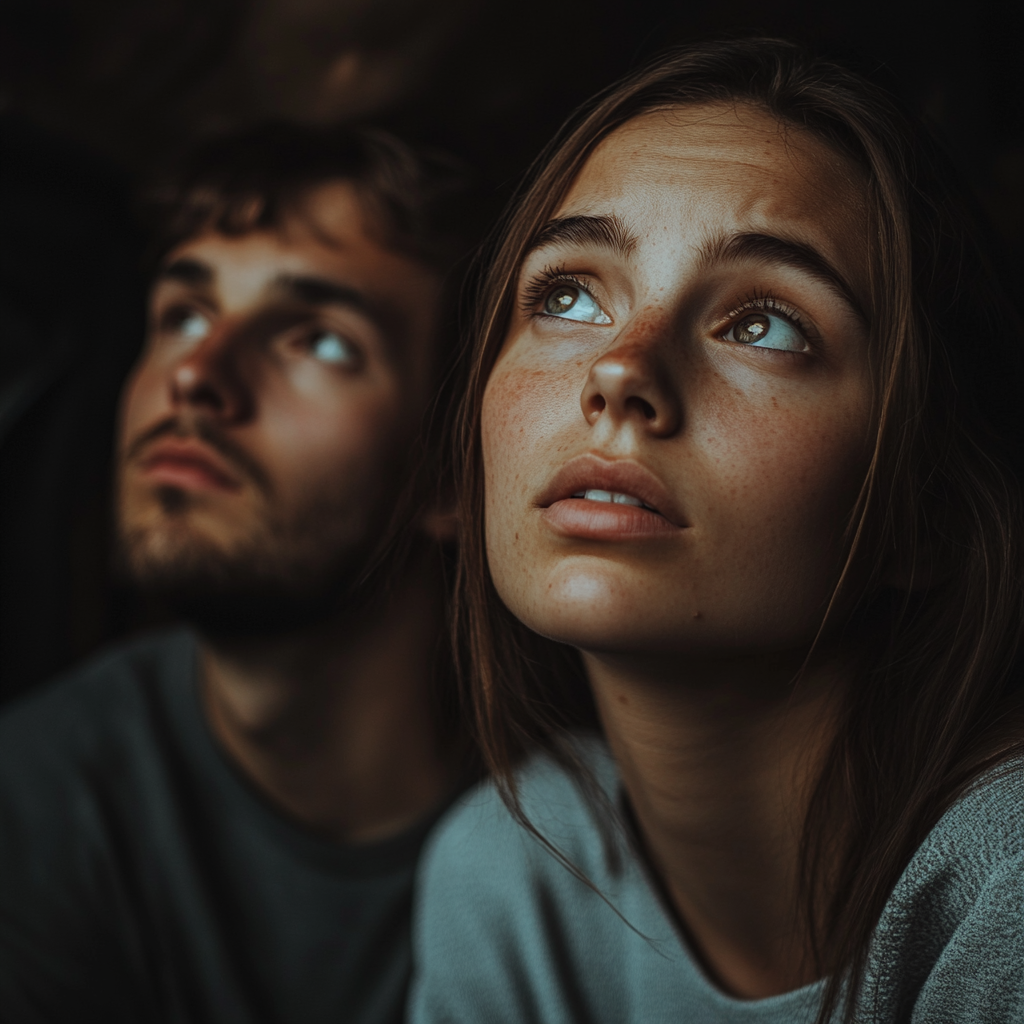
(254, 258)
(259, 259)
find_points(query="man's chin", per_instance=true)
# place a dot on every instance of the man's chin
(253, 611)
(238, 596)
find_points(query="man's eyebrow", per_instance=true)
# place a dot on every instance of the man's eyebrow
(608, 232)
(770, 249)
(186, 270)
(321, 291)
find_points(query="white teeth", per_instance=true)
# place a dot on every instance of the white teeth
(609, 497)
(626, 499)
(612, 498)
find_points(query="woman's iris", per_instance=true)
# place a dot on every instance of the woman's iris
(762, 330)
(570, 302)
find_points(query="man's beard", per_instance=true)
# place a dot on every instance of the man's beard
(279, 576)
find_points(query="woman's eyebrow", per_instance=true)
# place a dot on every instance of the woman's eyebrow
(608, 232)
(770, 249)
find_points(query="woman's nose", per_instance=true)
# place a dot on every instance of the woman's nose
(631, 384)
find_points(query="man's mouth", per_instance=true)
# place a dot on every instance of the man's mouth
(188, 464)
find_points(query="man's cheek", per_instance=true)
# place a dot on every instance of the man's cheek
(140, 405)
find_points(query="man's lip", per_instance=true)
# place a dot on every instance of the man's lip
(621, 476)
(187, 463)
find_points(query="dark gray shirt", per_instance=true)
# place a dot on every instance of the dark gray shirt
(503, 932)
(142, 879)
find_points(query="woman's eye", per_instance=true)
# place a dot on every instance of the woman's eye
(334, 348)
(573, 303)
(762, 330)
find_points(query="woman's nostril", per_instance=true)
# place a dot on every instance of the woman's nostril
(643, 406)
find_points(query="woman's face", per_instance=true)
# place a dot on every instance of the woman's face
(681, 415)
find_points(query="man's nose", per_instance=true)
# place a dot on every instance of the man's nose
(632, 383)
(209, 377)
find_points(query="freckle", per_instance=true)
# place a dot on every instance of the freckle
(517, 536)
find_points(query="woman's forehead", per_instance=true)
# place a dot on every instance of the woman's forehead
(720, 168)
(740, 141)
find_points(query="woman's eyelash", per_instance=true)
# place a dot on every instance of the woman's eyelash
(534, 289)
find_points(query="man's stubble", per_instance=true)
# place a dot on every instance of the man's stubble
(268, 571)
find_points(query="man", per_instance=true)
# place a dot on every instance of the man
(221, 824)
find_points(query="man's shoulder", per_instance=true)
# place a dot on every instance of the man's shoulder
(79, 811)
(83, 710)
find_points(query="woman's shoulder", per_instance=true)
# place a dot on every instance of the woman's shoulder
(979, 838)
(951, 936)
(991, 812)
(507, 929)
(481, 830)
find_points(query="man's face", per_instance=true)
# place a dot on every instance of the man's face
(266, 428)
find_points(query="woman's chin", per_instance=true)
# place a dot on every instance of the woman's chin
(593, 613)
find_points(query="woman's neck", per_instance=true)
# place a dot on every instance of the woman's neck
(718, 761)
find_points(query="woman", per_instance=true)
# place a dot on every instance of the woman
(742, 487)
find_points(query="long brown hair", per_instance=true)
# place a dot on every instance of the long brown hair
(937, 698)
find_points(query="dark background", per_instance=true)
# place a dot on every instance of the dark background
(98, 95)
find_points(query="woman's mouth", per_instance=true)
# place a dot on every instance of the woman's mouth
(605, 516)
(612, 498)
(594, 498)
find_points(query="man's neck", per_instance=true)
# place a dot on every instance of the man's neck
(717, 763)
(336, 725)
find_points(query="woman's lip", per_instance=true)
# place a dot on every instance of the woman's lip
(619, 476)
(601, 520)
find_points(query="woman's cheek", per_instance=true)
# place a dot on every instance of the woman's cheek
(525, 410)
(526, 422)
(506, 441)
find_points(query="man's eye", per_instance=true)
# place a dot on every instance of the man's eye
(334, 348)
(189, 324)
(762, 330)
(570, 302)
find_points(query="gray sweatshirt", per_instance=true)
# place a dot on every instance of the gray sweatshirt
(505, 932)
